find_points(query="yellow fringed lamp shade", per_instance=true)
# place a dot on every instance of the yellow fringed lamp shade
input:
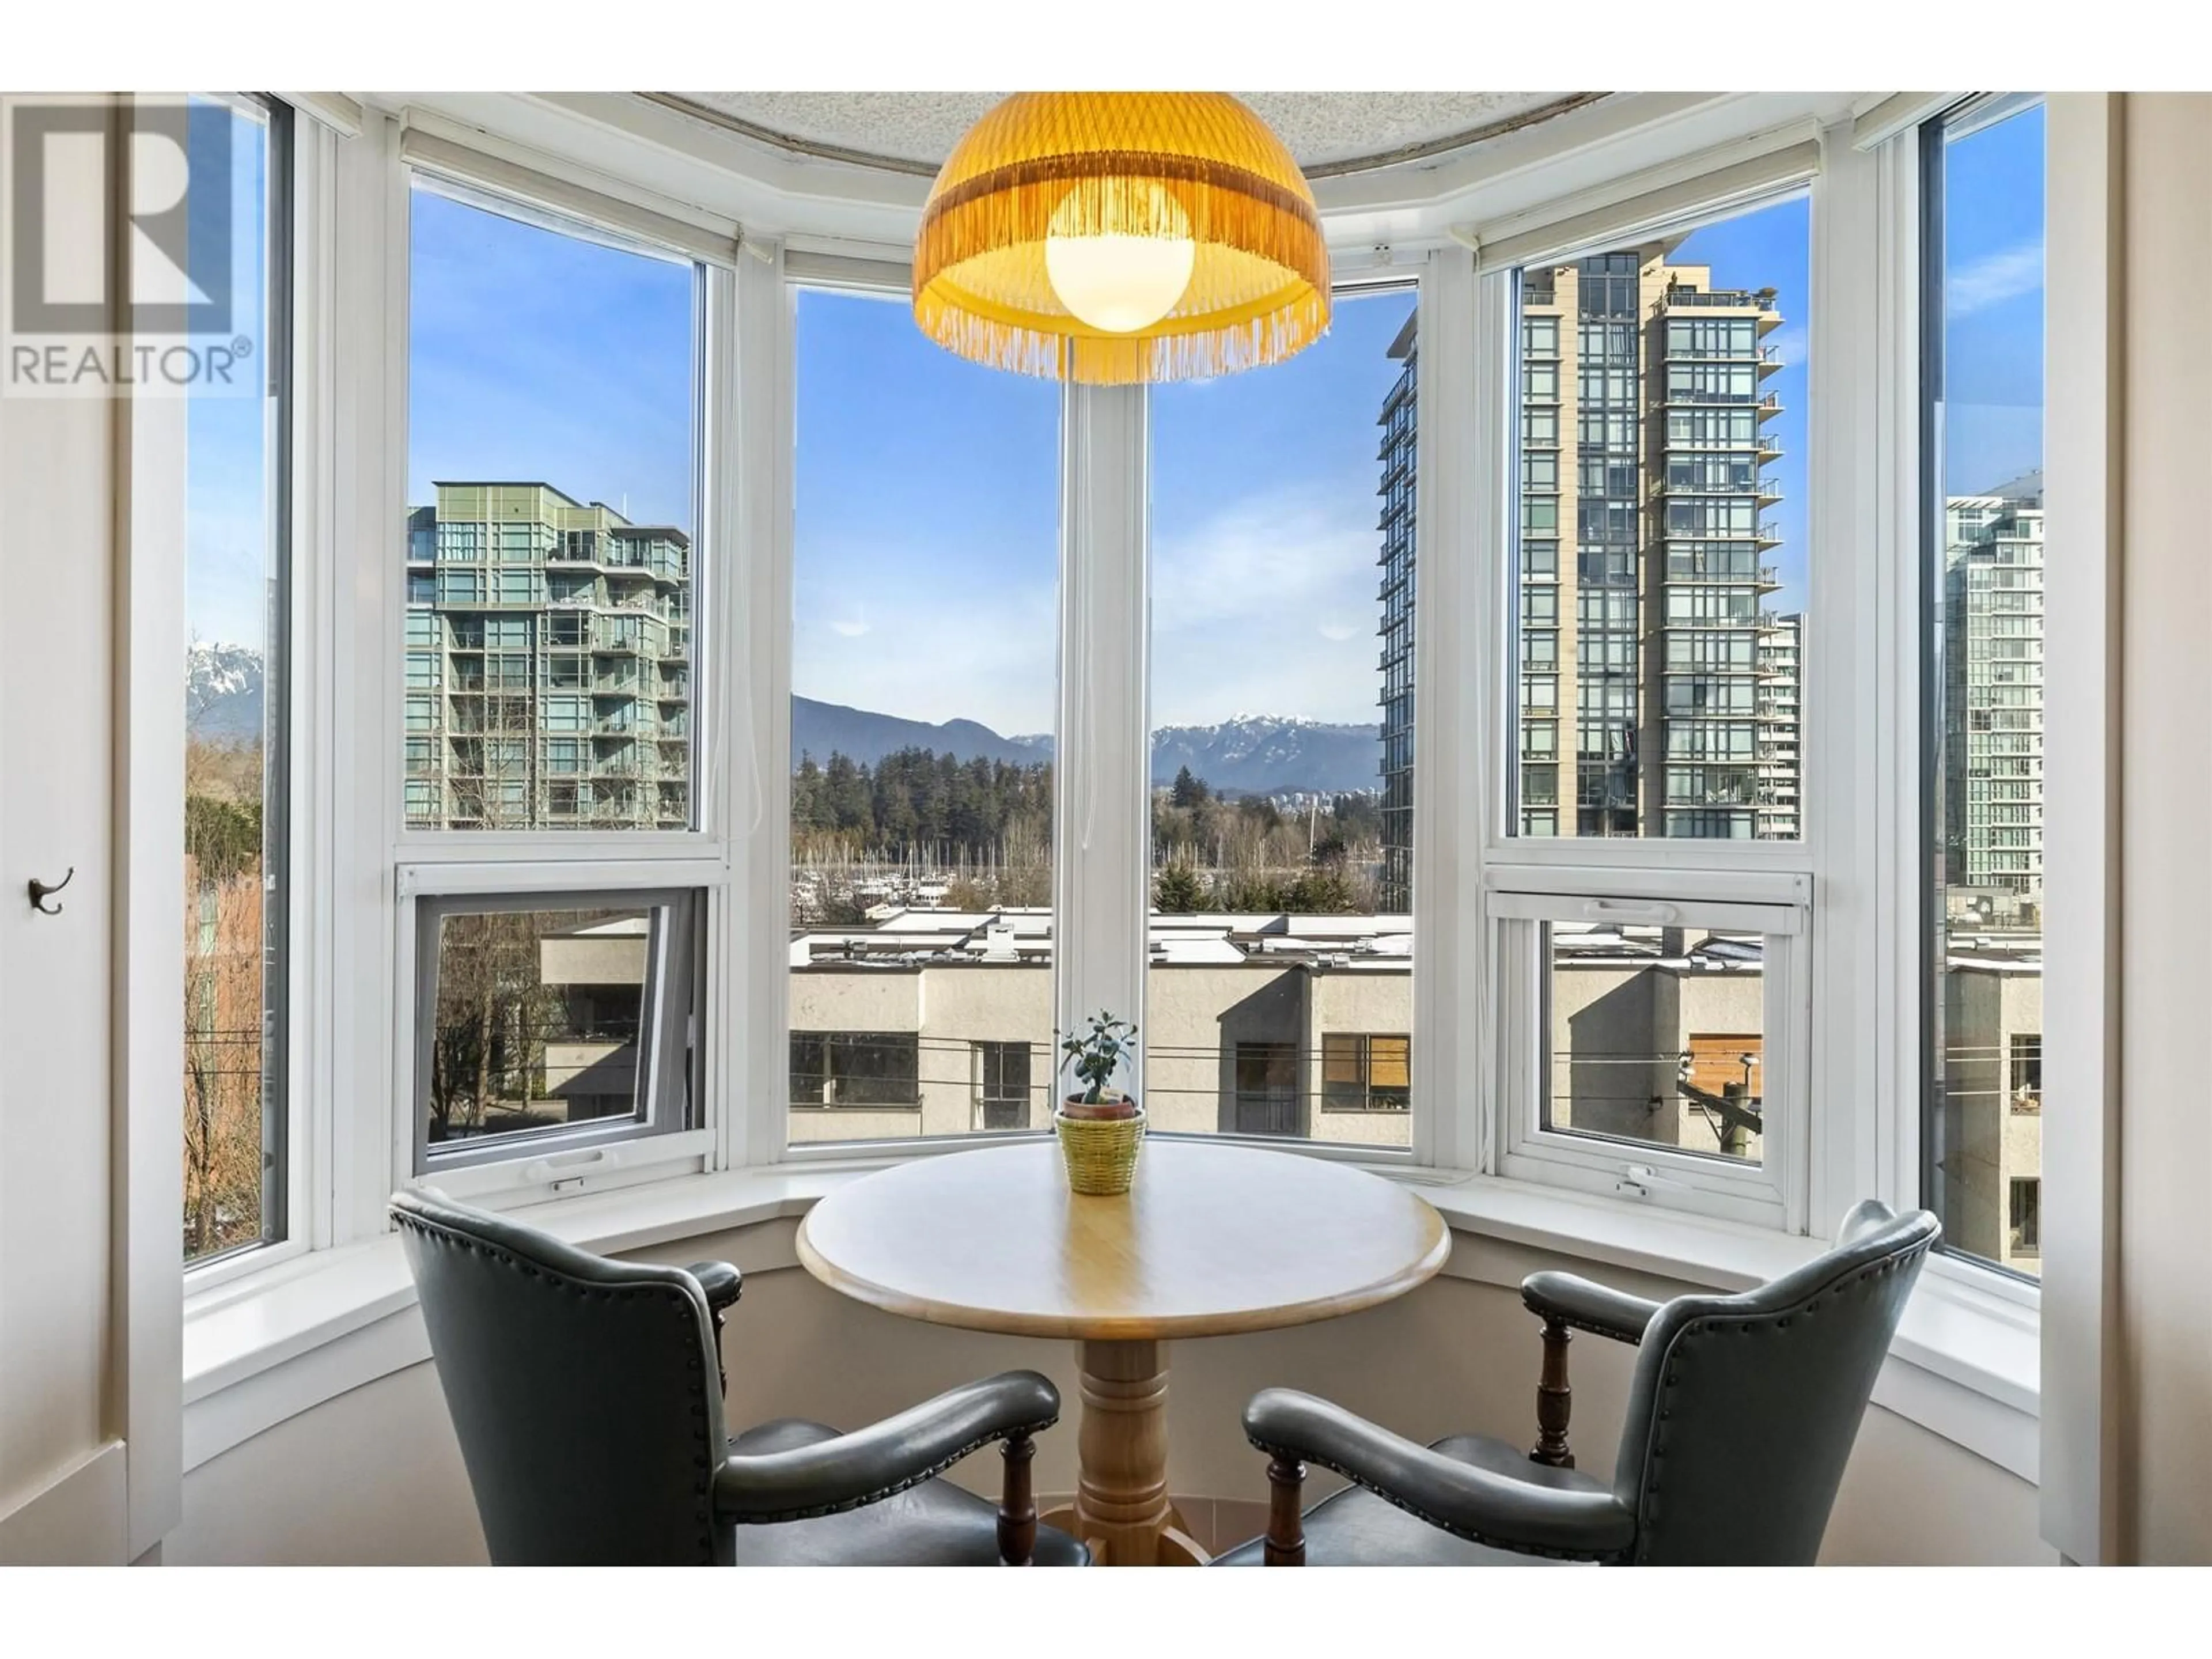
(1121, 238)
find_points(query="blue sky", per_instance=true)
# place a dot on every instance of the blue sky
(534, 356)
(226, 504)
(1993, 304)
(1771, 247)
(926, 496)
(927, 490)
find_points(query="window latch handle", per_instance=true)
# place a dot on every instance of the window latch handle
(1639, 1179)
(1600, 909)
(567, 1175)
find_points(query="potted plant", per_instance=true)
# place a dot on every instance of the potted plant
(1100, 1128)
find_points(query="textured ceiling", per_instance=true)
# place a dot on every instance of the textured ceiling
(1326, 131)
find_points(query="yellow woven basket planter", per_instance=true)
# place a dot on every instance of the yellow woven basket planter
(1101, 1156)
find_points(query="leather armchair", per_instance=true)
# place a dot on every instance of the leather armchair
(577, 1385)
(1741, 1413)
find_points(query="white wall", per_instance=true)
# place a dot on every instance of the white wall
(56, 569)
(2164, 1377)
(374, 1476)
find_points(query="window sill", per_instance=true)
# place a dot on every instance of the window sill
(267, 1346)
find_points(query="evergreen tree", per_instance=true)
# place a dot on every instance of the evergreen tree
(1180, 890)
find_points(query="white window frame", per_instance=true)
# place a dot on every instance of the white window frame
(1101, 832)
(380, 1137)
(310, 254)
(1520, 901)
(1528, 878)
(642, 1148)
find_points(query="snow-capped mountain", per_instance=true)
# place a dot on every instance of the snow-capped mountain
(1271, 754)
(222, 691)
(1254, 755)
(1245, 755)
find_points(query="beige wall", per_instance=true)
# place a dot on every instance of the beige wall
(1601, 1010)
(374, 1476)
(2163, 1379)
(1989, 1144)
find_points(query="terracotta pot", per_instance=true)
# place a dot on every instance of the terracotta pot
(1119, 1110)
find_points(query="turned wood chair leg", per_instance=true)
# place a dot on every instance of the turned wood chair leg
(721, 1372)
(1554, 1401)
(1017, 1516)
(1287, 1527)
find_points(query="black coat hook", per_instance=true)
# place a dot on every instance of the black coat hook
(39, 890)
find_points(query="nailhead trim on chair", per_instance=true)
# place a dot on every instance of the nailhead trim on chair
(703, 1491)
(1746, 1323)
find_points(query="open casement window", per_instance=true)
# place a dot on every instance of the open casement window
(1648, 894)
(556, 1028)
(1656, 1047)
(566, 495)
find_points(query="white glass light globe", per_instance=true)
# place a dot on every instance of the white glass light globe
(1129, 277)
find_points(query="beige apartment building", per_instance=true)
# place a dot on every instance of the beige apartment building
(1991, 1162)
(929, 1022)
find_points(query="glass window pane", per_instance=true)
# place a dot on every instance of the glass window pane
(924, 681)
(551, 462)
(1983, 1140)
(1658, 1036)
(1283, 507)
(237, 596)
(1678, 369)
(538, 1020)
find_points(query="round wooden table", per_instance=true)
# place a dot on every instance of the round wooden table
(1211, 1240)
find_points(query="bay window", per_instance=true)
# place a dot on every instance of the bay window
(768, 766)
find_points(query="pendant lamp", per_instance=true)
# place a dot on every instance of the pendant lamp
(1121, 238)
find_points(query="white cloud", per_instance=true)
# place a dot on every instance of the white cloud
(1268, 606)
(1994, 277)
(956, 649)
(1789, 346)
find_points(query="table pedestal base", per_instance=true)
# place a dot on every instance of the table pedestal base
(1121, 1508)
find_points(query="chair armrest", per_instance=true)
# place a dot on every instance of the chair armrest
(1587, 1306)
(857, 1469)
(722, 1283)
(1463, 1500)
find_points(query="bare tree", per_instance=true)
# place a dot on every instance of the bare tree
(223, 1060)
